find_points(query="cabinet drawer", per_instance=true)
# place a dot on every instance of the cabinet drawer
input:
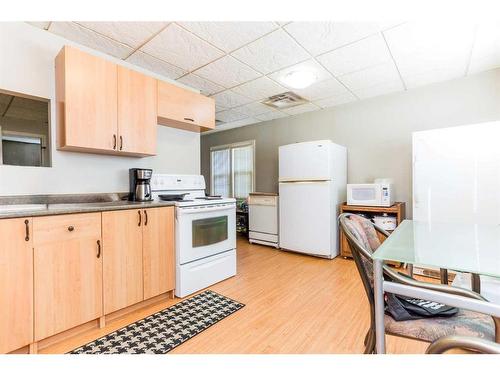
(51, 229)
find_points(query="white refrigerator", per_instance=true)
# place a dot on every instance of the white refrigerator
(312, 184)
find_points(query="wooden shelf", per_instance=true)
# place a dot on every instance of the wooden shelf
(397, 209)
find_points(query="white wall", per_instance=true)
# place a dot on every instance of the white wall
(27, 66)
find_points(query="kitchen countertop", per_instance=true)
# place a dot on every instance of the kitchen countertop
(46, 205)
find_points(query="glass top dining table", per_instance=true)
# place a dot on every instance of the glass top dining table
(465, 247)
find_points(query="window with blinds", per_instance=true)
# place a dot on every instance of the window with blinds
(232, 169)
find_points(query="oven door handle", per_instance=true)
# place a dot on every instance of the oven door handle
(190, 211)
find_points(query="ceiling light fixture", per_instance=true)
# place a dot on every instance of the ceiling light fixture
(299, 79)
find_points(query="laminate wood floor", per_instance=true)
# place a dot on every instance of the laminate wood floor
(294, 304)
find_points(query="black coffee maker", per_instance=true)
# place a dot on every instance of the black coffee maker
(140, 186)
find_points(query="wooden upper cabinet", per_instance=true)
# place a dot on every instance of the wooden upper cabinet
(67, 271)
(184, 109)
(158, 251)
(16, 284)
(122, 250)
(86, 96)
(137, 112)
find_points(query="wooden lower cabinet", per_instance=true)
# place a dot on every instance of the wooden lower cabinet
(158, 251)
(123, 267)
(67, 272)
(60, 272)
(16, 284)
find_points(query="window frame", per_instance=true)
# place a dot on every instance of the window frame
(230, 147)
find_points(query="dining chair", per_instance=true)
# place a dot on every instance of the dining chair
(361, 235)
(468, 343)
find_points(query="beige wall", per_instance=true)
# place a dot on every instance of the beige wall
(376, 132)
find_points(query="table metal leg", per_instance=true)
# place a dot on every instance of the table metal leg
(379, 305)
(443, 273)
(476, 283)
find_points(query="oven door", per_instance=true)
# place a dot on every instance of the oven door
(203, 231)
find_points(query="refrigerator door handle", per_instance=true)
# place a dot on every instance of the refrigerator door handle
(303, 181)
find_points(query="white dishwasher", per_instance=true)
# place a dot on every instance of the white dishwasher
(263, 219)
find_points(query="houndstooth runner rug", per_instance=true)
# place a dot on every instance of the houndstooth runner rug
(161, 332)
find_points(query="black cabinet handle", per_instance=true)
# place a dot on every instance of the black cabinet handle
(114, 141)
(71, 228)
(146, 215)
(121, 143)
(98, 248)
(27, 224)
(140, 218)
(188, 119)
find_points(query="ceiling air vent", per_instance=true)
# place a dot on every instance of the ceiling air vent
(285, 100)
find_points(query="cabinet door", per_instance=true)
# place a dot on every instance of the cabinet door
(158, 251)
(86, 94)
(122, 249)
(184, 108)
(137, 107)
(68, 272)
(16, 284)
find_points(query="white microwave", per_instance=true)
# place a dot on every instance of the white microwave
(370, 194)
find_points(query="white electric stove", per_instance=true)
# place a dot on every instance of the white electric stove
(205, 230)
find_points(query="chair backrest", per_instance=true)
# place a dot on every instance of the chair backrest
(362, 237)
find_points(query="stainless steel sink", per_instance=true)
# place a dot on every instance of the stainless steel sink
(10, 208)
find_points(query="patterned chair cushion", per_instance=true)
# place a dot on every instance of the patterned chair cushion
(465, 323)
(364, 232)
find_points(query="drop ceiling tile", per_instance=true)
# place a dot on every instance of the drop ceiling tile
(227, 72)
(41, 25)
(380, 89)
(181, 48)
(336, 100)
(206, 87)
(308, 107)
(155, 65)
(239, 123)
(271, 115)
(320, 37)
(372, 76)
(260, 88)
(356, 56)
(133, 34)
(434, 76)
(229, 36)
(229, 99)
(420, 47)
(272, 52)
(230, 115)
(309, 65)
(486, 50)
(91, 39)
(254, 109)
(323, 89)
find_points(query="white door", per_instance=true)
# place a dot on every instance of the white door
(305, 161)
(307, 223)
(456, 174)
